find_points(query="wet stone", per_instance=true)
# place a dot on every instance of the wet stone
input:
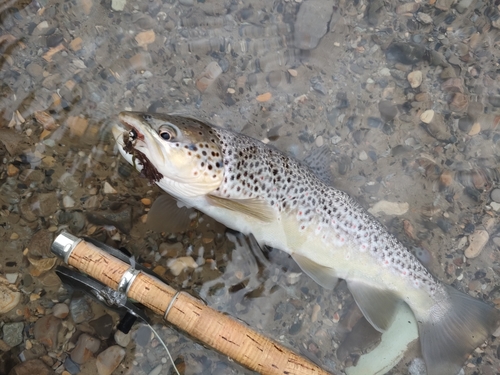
(109, 359)
(40, 243)
(388, 111)
(46, 330)
(495, 195)
(85, 347)
(444, 224)
(33, 366)
(54, 39)
(121, 218)
(72, 367)
(44, 204)
(80, 310)
(274, 78)
(9, 296)
(143, 336)
(13, 333)
(311, 23)
(405, 53)
(60, 310)
(122, 339)
(103, 326)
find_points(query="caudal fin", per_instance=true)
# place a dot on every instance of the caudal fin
(456, 327)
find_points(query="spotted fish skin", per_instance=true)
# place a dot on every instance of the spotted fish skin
(253, 170)
(254, 188)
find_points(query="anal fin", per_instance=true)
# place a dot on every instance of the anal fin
(256, 208)
(324, 276)
(376, 304)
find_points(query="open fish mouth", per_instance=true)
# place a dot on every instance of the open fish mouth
(126, 137)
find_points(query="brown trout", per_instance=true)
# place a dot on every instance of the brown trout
(253, 188)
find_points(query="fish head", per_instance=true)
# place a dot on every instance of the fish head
(182, 155)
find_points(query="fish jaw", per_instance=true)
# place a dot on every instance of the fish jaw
(181, 165)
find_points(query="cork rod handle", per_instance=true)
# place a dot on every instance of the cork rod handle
(189, 314)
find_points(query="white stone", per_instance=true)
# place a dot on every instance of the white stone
(363, 156)
(415, 78)
(108, 189)
(68, 202)
(118, 5)
(390, 208)
(427, 116)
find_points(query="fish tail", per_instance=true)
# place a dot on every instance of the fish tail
(453, 329)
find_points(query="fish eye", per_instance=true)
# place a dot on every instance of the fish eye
(167, 133)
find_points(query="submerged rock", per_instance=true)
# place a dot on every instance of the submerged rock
(312, 23)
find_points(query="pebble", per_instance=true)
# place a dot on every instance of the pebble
(459, 102)
(108, 189)
(103, 326)
(415, 78)
(68, 202)
(274, 78)
(427, 116)
(495, 195)
(293, 278)
(407, 8)
(453, 85)
(85, 347)
(477, 241)
(424, 18)
(44, 204)
(177, 265)
(122, 339)
(109, 359)
(9, 296)
(46, 330)
(389, 208)
(12, 170)
(143, 335)
(211, 72)
(264, 97)
(363, 156)
(388, 111)
(145, 37)
(30, 367)
(319, 141)
(60, 310)
(146, 201)
(80, 310)
(13, 333)
(156, 370)
(475, 129)
(311, 23)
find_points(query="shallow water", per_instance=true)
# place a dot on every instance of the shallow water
(68, 68)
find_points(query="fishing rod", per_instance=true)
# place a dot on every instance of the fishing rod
(123, 282)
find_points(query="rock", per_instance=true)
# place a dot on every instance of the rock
(495, 195)
(145, 37)
(122, 339)
(264, 97)
(459, 102)
(389, 208)
(415, 78)
(109, 359)
(311, 23)
(68, 202)
(427, 116)
(208, 76)
(40, 243)
(274, 78)
(143, 335)
(103, 326)
(33, 366)
(46, 330)
(462, 5)
(465, 124)
(453, 85)
(438, 128)
(120, 218)
(34, 70)
(178, 265)
(494, 100)
(444, 4)
(85, 347)
(13, 333)
(477, 241)
(363, 156)
(9, 296)
(375, 12)
(388, 111)
(80, 310)
(108, 189)
(405, 53)
(44, 204)
(60, 310)
(156, 370)
(424, 18)
(407, 8)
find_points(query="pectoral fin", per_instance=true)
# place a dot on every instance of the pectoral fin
(377, 305)
(165, 215)
(324, 276)
(257, 208)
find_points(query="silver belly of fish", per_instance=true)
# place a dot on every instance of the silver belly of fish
(253, 188)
